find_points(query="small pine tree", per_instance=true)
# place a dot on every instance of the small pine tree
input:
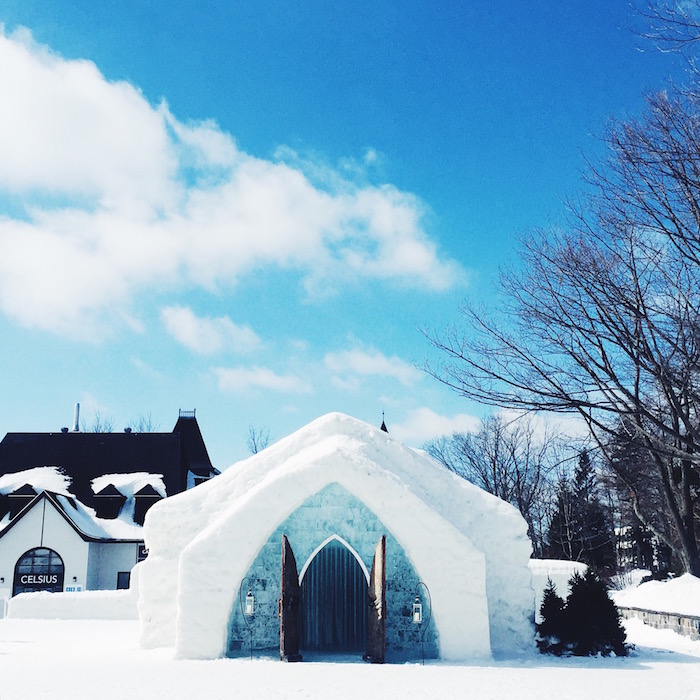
(592, 620)
(551, 628)
(588, 624)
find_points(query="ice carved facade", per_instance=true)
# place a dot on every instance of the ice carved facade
(331, 516)
(337, 479)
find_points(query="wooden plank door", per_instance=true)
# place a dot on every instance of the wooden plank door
(289, 606)
(376, 614)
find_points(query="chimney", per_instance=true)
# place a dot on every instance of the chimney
(76, 419)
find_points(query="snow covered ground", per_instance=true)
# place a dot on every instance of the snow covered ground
(86, 659)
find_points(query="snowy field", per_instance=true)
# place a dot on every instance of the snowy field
(88, 659)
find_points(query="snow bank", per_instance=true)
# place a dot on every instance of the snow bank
(437, 517)
(86, 605)
(629, 579)
(680, 595)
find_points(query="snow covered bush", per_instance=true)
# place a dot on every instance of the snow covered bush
(587, 624)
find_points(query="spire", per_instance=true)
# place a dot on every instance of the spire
(384, 424)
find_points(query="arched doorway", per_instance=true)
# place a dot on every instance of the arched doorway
(39, 569)
(334, 601)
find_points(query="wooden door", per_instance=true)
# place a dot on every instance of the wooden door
(376, 614)
(289, 606)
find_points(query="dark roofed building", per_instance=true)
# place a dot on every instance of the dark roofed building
(180, 457)
(74, 502)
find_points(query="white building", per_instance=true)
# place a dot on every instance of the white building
(72, 504)
(56, 544)
(343, 515)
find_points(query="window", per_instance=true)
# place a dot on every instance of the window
(39, 569)
(123, 578)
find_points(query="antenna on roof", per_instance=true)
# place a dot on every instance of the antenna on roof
(383, 424)
(76, 418)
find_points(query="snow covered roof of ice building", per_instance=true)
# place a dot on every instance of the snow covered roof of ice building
(333, 446)
(430, 510)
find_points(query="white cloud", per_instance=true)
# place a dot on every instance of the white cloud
(66, 130)
(423, 424)
(207, 335)
(117, 196)
(350, 364)
(241, 379)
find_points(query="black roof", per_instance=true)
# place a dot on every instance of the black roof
(85, 456)
(54, 499)
(193, 447)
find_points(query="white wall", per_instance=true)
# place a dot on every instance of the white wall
(43, 526)
(106, 560)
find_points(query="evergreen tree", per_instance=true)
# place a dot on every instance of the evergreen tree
(562, 542)
(550, 629)
(595, 531)
(581, 527)
(588, 624)
(592, 621)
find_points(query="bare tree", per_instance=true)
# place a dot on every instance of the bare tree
(258, 439)
(100, 424)
(672, 26)
(144, 424)
(603, 319)
(510, 461)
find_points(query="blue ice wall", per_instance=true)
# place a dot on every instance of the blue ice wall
(331, 511)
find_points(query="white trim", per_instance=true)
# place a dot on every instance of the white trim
(322, 545)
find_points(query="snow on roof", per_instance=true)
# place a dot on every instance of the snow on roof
(129, 484)
(679, 595)
(87, 522)
(40, 478)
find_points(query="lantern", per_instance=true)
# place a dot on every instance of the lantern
(417, 611)
(249, 604)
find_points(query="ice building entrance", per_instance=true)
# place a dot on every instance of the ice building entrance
(334, 601)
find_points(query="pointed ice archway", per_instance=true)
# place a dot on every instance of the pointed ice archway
(340, 540)
(468, 547)
(334, 584)
(337, 612)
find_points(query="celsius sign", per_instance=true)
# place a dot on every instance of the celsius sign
(39, 582)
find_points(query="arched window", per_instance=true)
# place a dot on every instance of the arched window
(39, 569)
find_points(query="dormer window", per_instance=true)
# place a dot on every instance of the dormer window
(109, 502)
(20, 498)
(143, 500)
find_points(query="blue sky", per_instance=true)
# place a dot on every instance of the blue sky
(252, 208)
